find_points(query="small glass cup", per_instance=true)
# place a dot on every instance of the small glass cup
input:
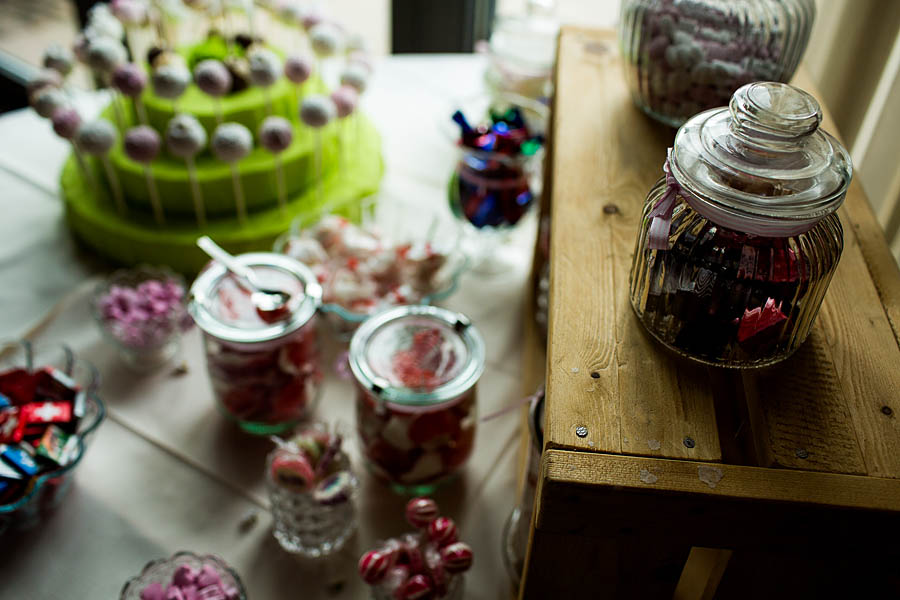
(162, 570)
(123, 306)
(312, 519)
(265, 372)
(416, 369)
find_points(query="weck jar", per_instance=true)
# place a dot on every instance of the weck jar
(416, 369)
(265, 369)
(685, 56)
(739, 240)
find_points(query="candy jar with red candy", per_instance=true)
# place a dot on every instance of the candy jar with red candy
(311, 490)
(425, 565)
(416, 368)
(263, 365)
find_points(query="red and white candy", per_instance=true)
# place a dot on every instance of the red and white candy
(421, 511)
(417, 587)
(293, 471)
(373, 566)
(457, 557)
(442, 531)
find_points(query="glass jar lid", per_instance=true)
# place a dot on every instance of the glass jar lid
(222, 307)
(417, 355)
(762, 165)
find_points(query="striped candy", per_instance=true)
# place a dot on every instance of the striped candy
(442, 531)
(373, 566)
(421, 511)
(457, 557)
(417, 587)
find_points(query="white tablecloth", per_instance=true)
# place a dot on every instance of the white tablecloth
(166, 472)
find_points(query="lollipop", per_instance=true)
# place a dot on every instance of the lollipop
(131, 80)
(170, 81)
(142, 145)
(316, 112)
(230, 143)
(275, 135)
(97, 138)
(213, 78)
(265, 67)
(59, 59)
(185, 137)
(66, 122)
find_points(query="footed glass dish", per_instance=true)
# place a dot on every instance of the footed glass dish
(162, 571)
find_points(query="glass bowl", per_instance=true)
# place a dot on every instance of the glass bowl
(396, 223)
(147, 344)
(161, 571)
(48, 490)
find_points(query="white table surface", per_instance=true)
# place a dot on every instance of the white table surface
(165, 471)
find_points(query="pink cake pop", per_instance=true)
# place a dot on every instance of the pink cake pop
(97, 138)
(316, 112)
(230, 143)
(170, 81)
(66, 122)
(131, 13)
(276, 135)
(185, 138)
(213, 78)
(142, 145)
(265, 68)
(310, 19)
(131, 80)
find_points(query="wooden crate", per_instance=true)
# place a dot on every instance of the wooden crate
(662, 478)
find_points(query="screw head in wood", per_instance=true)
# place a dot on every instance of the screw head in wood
(581, 431)
(689, 442)
(887, 410)
(802, 453)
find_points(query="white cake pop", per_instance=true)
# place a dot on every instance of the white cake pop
(317, 111)
(130, 12)
(185, 137)
(325, 39)
(97, 138)
(170, 81)
(142, 144)
(102, 23)
(230, 143)
(356, 76)
(212, 77)
(48, 100)
(59, 58)
(104, 54)
(297, 68)
(265, 67)
(276, 135)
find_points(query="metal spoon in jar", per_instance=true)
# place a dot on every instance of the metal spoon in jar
(266, 300)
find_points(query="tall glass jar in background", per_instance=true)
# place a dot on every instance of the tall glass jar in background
(739, 240)
(416, 368)
(265, 369)
(685, 56)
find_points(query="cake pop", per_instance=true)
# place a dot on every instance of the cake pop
(101, 23)
(297, 68)
(213, 78)
(66, 122)
(230, 143)
(276, 135)
(265, 68)
(131, 80)
(345, 99)
(170, 81)
(309, 19)
(131, 13)
(48, 100)
(142, 145)
(356, 76)
(185, 138)
(45, 78)
(97, 138)
(104, 54)
(325, 39)
(58, 58)
(317, 112)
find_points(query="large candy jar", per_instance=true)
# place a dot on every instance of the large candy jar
(685, 56)
(264, 368)
(416, 368)
(739, 240)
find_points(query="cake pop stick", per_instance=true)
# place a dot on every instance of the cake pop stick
(131, 80)
(356, 76)
(276, 135)
(345, 99)
(97, 138)
(103, 56)
(170, 81)
(213, 78)
(317, 112)
(230, 143)
(66, 122)
(131, 13)
(185, 138)
(325, 39)
(142, 145)
(59, 59)
(265, 68)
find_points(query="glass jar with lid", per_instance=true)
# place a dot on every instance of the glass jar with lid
(739, 240)
(416, 369)
(685, 56)
(264, 369)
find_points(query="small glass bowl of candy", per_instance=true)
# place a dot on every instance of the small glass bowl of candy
(264, 368)
(311, 488)
(416, 369)
(188, 573)
(49, 411)
(404, 254)
(142, 311)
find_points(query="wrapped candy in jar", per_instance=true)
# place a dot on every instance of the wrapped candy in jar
(264, 367)
(683, 57)
(739, 240)
(416, 368)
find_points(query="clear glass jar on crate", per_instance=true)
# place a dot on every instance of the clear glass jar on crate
(739, 240)
(416, 368)
(265, 371)
(685, 56)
